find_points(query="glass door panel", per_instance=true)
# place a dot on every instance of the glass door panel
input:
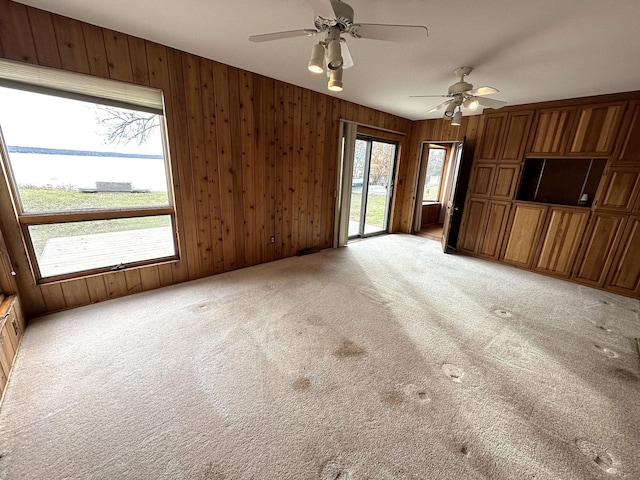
(372, 187)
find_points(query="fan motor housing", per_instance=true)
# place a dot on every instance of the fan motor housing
(460, 87)
(343, 19)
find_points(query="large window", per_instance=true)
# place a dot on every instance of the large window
(89, 175)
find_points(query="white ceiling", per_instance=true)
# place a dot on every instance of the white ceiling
(531, 51)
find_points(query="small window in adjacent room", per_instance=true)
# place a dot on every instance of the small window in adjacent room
(435, 171)
(85, 159)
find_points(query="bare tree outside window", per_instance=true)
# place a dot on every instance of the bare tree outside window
(125, 126)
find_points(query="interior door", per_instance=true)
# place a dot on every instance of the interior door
(455, 203)
(371, 187)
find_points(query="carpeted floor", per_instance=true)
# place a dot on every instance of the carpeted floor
(383, 360)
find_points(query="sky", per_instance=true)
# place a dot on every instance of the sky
(36, 120)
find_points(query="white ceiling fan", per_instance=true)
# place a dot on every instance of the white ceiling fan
(462, 94)
(333, 18)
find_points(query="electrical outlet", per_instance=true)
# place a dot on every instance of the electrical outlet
(272, 239)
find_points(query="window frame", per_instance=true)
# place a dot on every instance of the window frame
(25, 220)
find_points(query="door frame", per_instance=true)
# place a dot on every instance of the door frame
(446, 186)
(365, 186)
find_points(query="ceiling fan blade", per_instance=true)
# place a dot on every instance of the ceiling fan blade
(491, 103)
(347, 59)
(392, 33)
(428, 96)
(323, 8)
(442, 106)
(480, 91)
(267, 37)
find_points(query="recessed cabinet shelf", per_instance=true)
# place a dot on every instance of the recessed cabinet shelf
(561, 181)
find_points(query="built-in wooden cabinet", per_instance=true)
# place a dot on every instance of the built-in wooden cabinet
(473, 221)
(525, 224)
(551, 130)
(481, 180)
(620, 189)
(628, 149)
(544, 222)
(624, 275)
(11, 329)
(596, 129)
(506, 181)
(491, 137)
(515, 136)
(494, 228)
(596, 254)
(560, 240)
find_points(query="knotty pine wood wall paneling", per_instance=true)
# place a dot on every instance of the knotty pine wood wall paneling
(251, 157)
(7, 282)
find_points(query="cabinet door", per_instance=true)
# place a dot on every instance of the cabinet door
(551, 131)
(624, 275)
(7, 350)
(515, 137)
(596, 254)
(620, 188)
(506, 181)
(596, 129)
(472, 225)
(481, 180)
(629, 144)
(491, 137)
(560, 240)
(496, 224)
(526, 222)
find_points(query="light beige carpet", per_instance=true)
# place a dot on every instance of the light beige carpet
(383, 360)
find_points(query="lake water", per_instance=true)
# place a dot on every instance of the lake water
(78, 171)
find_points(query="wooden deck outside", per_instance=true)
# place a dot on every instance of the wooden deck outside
(85, 252)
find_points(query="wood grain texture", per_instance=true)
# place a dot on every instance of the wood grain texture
(624, 276)
(494, 229)
(561, 239)
(251, 157)
(526, 222)
(550, 133)
(598, 247)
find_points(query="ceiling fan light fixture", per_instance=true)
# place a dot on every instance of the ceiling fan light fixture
(334, 55)
(472, 104)
(457, 118)
(316, 64)
(448, 113)
(335, 80)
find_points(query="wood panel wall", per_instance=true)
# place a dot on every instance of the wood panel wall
(251, 157)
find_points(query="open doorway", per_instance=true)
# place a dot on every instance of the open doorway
(434, 185)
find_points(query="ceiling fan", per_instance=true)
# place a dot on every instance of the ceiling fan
(334, 18)
(462, 94)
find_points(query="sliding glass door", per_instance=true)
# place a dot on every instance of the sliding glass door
(371, 187)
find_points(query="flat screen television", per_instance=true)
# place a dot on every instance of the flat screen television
(561, 181)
